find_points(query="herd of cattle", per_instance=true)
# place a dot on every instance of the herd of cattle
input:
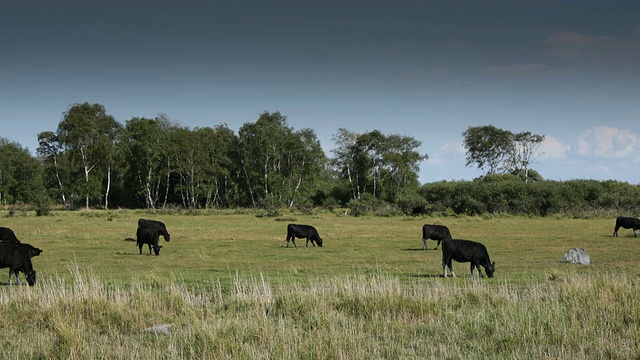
(17, 255)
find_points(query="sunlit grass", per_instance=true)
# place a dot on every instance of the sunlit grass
(230, 289)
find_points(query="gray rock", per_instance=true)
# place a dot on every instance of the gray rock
(577, 256)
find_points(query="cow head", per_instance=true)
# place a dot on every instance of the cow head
(31, 277)
(156, 249)
(319, 241)
(489, 269)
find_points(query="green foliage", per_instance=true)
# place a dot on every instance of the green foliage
(277, 161)
(407, 199)
(20, 175)
(43, 206)
(493, 194)
(376, 164)
(498, 151)
(158, 165)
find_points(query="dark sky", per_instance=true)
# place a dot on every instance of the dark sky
(568, 70)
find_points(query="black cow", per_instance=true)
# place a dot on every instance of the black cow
(419, 210)
(434, 232)
(627, 223)
(17, 259)
(7, 235)
(158, 226)
(303, 231)
(148, 235)
(466, 251)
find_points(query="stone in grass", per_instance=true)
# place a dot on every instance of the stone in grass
(577, 256)
(162, 329)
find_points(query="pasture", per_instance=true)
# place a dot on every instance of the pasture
(231, 289)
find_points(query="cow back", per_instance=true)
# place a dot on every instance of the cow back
(303, 231)
(15, 257)
(465, 251)
(30, 249)
(435, 232)
(147, 235)
(627, 222)
(158, 226)
(7, 235)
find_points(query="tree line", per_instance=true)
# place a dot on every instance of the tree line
(93, 161)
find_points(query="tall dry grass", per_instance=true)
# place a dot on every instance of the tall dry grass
(353, 316)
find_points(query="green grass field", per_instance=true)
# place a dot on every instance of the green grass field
(206, 247)
(232, 289)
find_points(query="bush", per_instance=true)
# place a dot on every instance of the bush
(43, 206)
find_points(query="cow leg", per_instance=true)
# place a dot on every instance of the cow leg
(424, 244)
(615, 231)
(11, 273)
(477, 267)
(438, 244)
(447, 264)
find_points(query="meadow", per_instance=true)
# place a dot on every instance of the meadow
(230, 289)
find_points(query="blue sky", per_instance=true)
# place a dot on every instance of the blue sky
(569, 70)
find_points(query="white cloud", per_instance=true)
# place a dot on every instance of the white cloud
(552, 148)
(447, 153)
(606, 142)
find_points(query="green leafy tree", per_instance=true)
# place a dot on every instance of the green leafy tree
(305, 162)
(401, 165)
(147, 145)
(85, 132)
(55, 163)
(524, 152)
(488, 147)
(376, 164)
(343, 160)
(277, 161)
(498, 151)
(110, 134)
(20, 175)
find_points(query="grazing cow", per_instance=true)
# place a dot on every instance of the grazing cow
(17, 259)
(434, 232)
(147, 235)
(303, 231)
(31, 250)
(7, 235)
(466, 251)
(627, 223)
(419, 210)
(158, 226)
